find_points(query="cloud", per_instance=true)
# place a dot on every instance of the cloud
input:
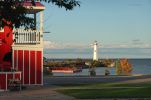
(137, 43)
(54, 45)
(116, 45)
(50, 45)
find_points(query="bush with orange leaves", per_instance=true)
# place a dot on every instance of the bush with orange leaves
(124, 67)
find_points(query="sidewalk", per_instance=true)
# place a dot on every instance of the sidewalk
(35, 93)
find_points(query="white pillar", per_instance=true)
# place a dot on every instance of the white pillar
(95, 51)
(13, 58)
(41, 42)
(41, 27)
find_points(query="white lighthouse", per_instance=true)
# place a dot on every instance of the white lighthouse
(95, 51)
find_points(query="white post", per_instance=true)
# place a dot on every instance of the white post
(41, 42)
(13, 58)
(41, 27)
(95, 51)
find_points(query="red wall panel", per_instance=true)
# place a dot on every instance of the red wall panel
(2, 81)
(26, 67)
(6, 76)
(9, 76)
(32, 67)
(15, 58)
(32, 72)
(17, 76)
(39, 67)
(20, 61)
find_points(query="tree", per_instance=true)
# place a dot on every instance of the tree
(123, 67)
(13, 11)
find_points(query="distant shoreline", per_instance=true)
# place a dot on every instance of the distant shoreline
(99, 59)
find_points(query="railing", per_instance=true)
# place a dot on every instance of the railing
(27, 36)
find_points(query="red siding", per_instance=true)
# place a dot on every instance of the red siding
(32, 67)
(15, 58)
(39, 67)
(20, 61)
(2, 81)
(26, 67)
(17, 76)
(9, 76)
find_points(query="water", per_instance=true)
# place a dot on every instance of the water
(140, 66)
(102, 52)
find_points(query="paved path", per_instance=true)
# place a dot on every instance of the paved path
(35, 93)
(47, 92)
(97, 79)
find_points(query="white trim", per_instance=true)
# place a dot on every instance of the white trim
(35, 67)
(10, 72)
(6, 81)
(13, 59)
(28, 47)
(23, 67)
(20, 76)
(41, 41)
(29, 66)
(35, 8)
(41, 27)
(41, 21)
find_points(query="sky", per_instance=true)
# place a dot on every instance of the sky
(113, 23)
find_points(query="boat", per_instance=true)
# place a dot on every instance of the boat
(65, 69)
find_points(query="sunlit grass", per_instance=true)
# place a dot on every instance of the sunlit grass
(107, 90)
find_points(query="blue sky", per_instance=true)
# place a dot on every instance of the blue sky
(113, 23)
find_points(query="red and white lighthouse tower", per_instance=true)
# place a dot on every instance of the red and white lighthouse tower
(25, 54)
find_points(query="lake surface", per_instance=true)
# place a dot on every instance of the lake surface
(140, 66)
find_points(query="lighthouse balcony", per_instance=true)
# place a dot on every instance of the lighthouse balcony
(27, 37)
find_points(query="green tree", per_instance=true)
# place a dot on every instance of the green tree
(14, 12)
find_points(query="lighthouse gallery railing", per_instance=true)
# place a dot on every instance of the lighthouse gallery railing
(26, 36)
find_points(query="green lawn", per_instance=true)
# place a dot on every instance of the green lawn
(107, 90)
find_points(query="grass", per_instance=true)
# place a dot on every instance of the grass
(106, 90)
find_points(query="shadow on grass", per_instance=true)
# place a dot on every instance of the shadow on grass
(107, 91)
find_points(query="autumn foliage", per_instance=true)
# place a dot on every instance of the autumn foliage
(124, 67)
